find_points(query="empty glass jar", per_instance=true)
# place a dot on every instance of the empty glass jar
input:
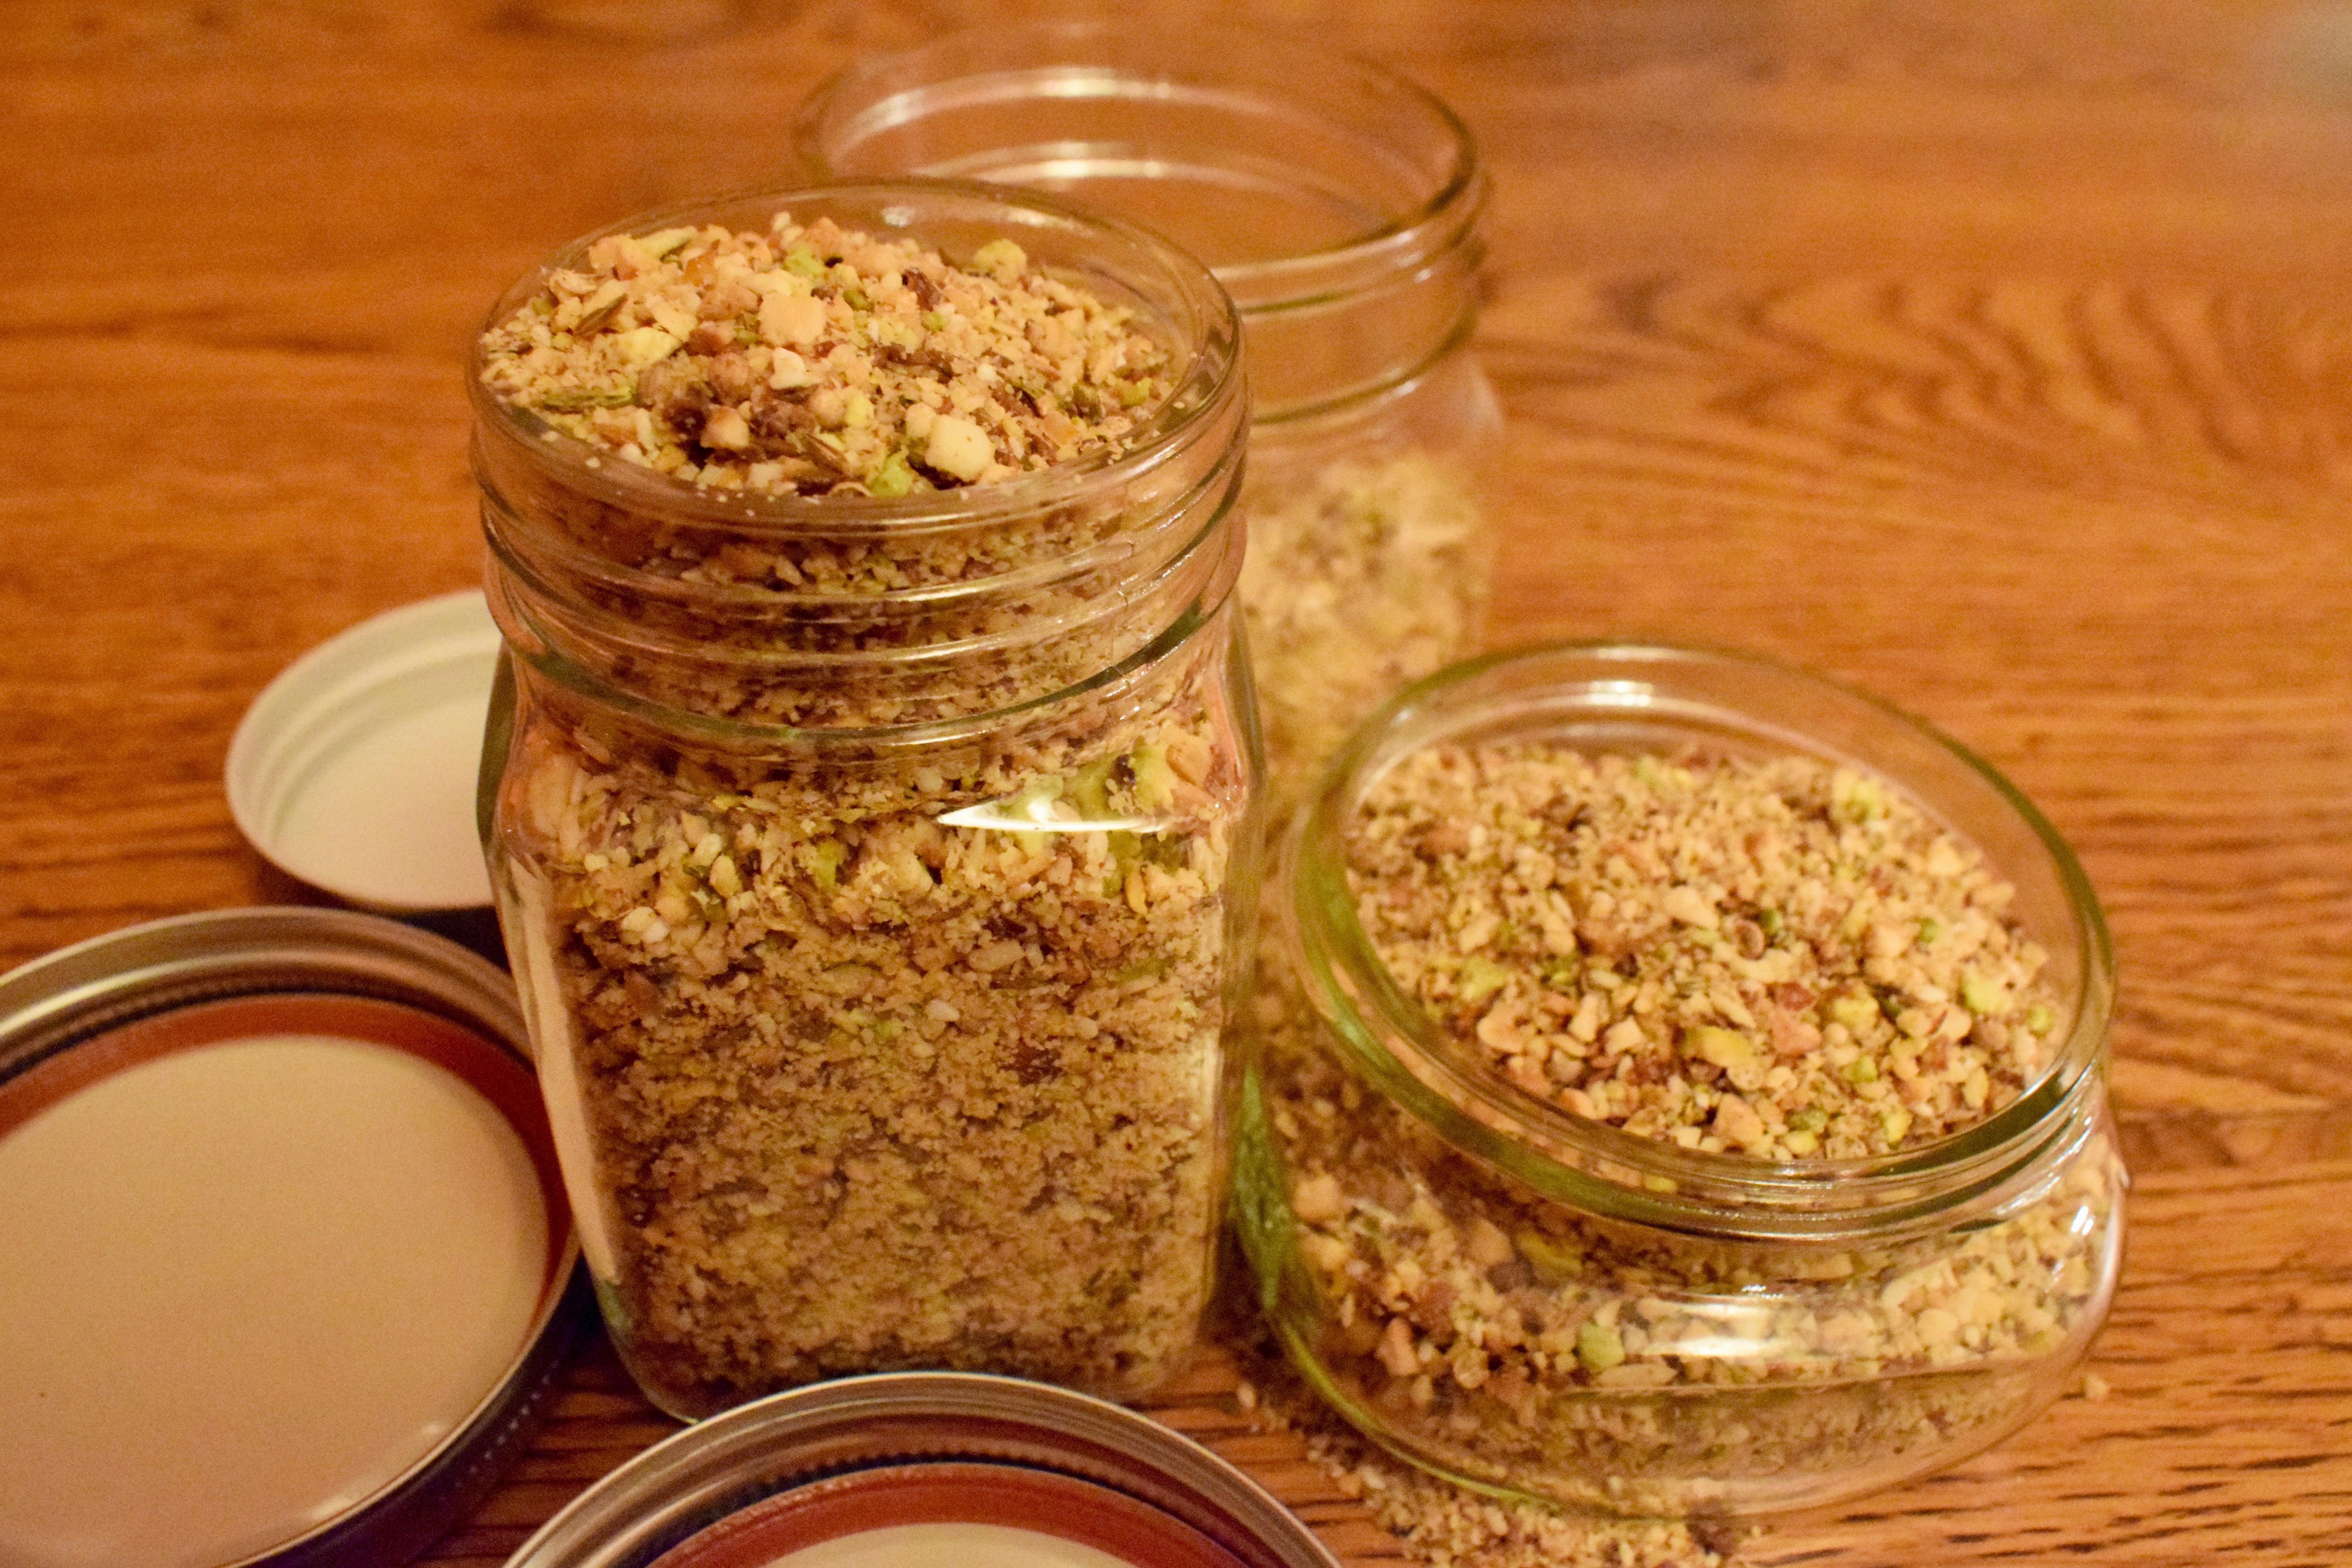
(1339, 204)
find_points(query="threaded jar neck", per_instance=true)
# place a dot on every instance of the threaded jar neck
(1337, 201)
(712, 609)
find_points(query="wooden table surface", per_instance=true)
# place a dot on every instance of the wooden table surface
(1997, 356)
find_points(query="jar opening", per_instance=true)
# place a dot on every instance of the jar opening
(1605, 697)
(758, 620)
(1166, 291)
(1301, 176)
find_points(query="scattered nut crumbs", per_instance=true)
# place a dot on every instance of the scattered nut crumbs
(817, 360)
(1442, 1525)
(1780, 958)
(1362, 575)
(1540, 901)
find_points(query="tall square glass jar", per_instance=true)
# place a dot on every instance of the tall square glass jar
(874, 862)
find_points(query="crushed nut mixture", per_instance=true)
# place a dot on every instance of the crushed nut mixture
(881, 1053)
(1361, 576)
(1651, 941)
(1784, 959)
(870, 1092)
(817, 360)
(1441, 1525)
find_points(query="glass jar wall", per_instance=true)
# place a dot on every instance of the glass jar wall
(1339, 205)
(876, 866)
(1617, 1309)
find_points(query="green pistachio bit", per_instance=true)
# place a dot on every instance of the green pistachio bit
(1142, 969)
(1857, 1013)
(1155, 781)
(1855, 797)
(1726, 1048)
(591, 321)
(1555, 1263)
(1769, 921)
(2039, 1019)
(1862, 1069)
(933, 321)
(1480, 978)
(1090, 787)
(1598, 1347)
(803, 262)
(998, 258)
(1929, 929)
(1131, 393)
(891, 477)
(1978, 994)
(571, 399)
(824, 858)
(1807, 1118)
(667, 242)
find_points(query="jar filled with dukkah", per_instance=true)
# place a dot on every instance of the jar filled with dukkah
(868, 789)
(1339, 204)
(1684, 1091)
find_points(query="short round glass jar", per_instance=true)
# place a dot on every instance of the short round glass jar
(875, 857)
(1857, 1255)
(1339, 204)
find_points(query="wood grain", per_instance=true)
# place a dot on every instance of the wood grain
(1995, 357)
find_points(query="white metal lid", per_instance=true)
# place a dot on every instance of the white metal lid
(292, 1276)
(355, 769)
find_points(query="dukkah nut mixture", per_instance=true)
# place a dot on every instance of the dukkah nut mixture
(813, 360)
(1785, 959)
(1782, 960)
(885, 1058)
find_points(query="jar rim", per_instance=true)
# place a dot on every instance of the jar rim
(528, 640)
(1144, 63)
(1630, 689)
(1187, 297)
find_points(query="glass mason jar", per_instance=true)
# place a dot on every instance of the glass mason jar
(1539, 1303)
(877, 870)
(1339, 205)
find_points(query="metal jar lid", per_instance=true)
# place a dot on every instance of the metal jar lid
(355, 769)
(292, 1273)
(741, 1487)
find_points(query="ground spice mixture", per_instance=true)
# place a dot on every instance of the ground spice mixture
(876, 1053)
(1781, 958)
